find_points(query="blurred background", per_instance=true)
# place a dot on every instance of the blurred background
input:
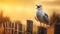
(23, 10)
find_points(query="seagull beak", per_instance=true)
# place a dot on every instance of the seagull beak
(36, 5)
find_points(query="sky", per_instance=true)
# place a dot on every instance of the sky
(23, 10)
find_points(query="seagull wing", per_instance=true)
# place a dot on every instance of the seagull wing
(46, 20)
(46, 15)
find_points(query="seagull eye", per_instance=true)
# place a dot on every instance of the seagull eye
(38, 6)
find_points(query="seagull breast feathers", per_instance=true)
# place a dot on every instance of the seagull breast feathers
(40, 12)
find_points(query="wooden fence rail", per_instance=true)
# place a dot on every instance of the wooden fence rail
(16, 28)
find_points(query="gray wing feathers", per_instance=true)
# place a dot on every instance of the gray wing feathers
(46, 20)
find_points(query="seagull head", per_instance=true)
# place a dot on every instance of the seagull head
(39, 6)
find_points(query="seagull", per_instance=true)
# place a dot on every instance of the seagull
(41, 16)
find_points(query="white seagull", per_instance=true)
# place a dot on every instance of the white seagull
(42, 16)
